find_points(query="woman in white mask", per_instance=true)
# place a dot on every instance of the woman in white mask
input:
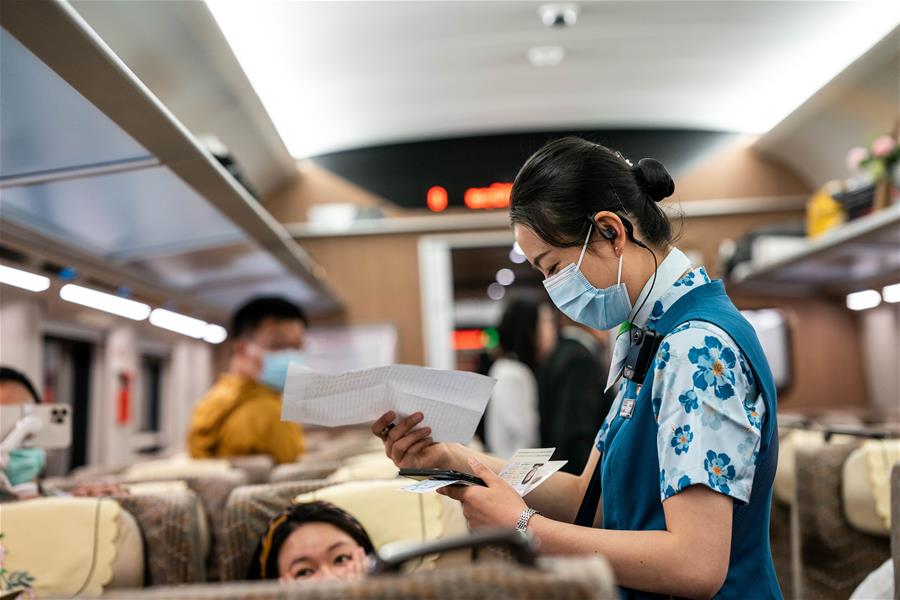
(677, 489)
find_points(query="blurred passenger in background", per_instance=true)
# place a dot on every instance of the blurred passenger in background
(527, 334)
(312, 541)
(241, 414)
(572, 404)
(20, 466)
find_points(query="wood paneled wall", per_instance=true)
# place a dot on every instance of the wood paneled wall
(738, 171)
(377, 277)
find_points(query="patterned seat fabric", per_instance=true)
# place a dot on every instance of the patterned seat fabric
(246, 517)
(256, 466)
(171, 531)
(212, 491)
(561, 579)
(835, 557)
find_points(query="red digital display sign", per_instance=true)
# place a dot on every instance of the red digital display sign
(437, 198)
(495, 195)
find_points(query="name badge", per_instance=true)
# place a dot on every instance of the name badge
(627, 408)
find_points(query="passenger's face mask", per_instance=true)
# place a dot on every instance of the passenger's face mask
(25, 464)
(574, 295)
(275, 367)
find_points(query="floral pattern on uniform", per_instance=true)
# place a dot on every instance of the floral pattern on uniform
(711, 418)
(721, 471)
(689, 401)
(747, 451)
(703, 387)
(656, 313)
(663, 355)
(683, 482)
(706, 402)
(753, 415)
(715, 367)
(687, 280)
(748, 373)
(681, 439)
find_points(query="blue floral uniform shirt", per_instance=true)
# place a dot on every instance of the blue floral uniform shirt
(708, 408)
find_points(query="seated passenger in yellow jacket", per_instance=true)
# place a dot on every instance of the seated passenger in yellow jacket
(241, 414)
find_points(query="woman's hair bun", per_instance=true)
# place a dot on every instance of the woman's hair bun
(653, 179)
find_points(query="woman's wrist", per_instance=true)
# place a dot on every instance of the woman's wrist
(457, 457)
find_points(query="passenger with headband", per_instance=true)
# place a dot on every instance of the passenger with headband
(677, 490)
(312, 541)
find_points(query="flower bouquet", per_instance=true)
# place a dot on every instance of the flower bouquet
(881, 162)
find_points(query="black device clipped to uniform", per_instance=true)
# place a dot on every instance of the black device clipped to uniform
(644, 344)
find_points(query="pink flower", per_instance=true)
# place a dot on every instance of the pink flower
(883, 146)
(855, 158)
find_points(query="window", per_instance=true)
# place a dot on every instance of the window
(67, 380)
(148, 413)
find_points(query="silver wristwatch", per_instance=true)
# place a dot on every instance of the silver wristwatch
(526, 515)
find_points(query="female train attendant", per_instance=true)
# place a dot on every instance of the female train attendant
(676, 493)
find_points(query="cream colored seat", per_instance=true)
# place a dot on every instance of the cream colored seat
(388, 514)
(176, 467)
(391, 515)
(866, 486)
(369, 466)
(73, 545)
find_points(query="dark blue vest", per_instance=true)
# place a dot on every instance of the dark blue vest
(629, 467)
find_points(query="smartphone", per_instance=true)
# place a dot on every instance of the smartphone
(56, 431)
(441, 475)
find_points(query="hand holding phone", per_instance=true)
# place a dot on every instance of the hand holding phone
(54, 428)
(442, 475)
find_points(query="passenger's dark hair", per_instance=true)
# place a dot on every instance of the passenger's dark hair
(518, 331)
(250, 315)
(14, 376)
(265, 559)
(570, 179)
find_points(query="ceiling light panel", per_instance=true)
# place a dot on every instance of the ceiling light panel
(340, 75)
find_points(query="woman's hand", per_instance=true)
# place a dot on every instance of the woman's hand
(361, 564)
(411, 448)
(497, 505)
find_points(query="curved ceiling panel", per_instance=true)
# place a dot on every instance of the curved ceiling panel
(46, 126)
(120, 216)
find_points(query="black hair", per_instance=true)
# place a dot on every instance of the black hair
(570, 179)
(9, 374)
(265, 558)
(251, 314)
(517, 331)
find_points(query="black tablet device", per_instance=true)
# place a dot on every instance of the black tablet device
(441, 475)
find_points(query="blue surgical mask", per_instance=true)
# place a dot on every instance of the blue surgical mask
(275, 367)
(574, 295)
(25, 464)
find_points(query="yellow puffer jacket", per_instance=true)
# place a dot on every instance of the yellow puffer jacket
(239, 417)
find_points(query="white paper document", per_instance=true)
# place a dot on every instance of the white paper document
(452, 401)
(525, 471)
(529, 468)
(430, 485)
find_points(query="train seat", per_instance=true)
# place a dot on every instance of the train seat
(73, 546)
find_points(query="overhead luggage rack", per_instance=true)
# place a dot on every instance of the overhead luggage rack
(864, 253)
(91, 159)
